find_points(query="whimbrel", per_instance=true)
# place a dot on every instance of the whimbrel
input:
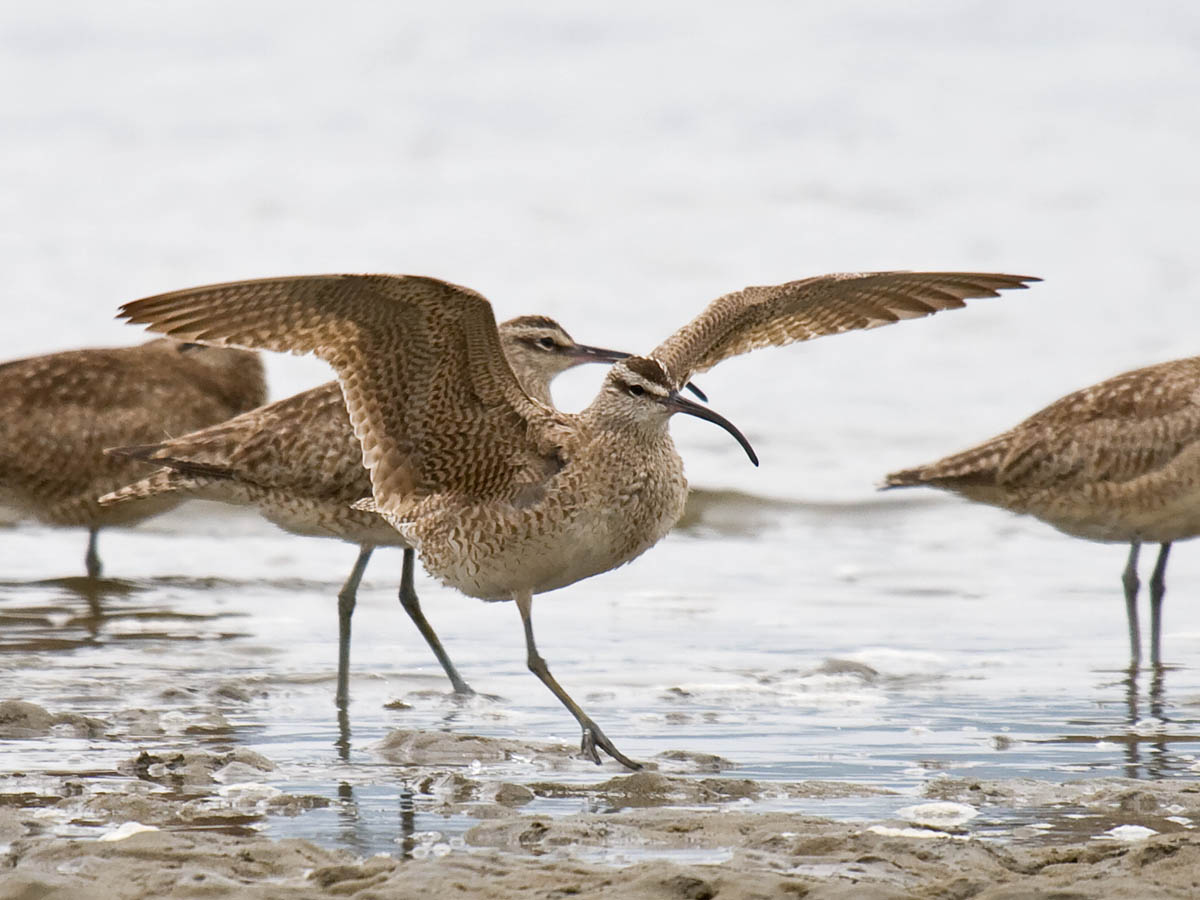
(59, 411)
(298, 462)
(1118, 461)
(503, 497)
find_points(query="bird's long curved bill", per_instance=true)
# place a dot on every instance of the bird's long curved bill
(599, 354)
(678, 404)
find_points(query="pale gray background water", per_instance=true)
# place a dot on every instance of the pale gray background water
(617, 168)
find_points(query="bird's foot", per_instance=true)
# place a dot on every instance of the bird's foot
(593, 737)
(468, 693)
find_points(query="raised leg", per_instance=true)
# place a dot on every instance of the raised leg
(592, 735)
(347, 598)
(1158, 587)
(92, 559)
(1130, 580)
(412, 606)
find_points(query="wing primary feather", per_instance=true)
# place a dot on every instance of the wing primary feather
(813, 307)
(419, 361)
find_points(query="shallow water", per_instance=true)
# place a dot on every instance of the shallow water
(871, 665)
(617, 171)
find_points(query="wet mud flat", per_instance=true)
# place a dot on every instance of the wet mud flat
(172, 733)
(182, 811)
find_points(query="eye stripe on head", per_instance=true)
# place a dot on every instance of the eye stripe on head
(650, 371)
(534, 323)
(646, 373)
(539, 333)
(632, 380)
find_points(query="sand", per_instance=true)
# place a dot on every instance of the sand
(766, 855)
(191, 824)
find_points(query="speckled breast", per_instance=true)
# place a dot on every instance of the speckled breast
(583, 526)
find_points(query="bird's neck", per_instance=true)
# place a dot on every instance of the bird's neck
(619, 424)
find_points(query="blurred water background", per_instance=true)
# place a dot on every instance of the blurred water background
(617, 166)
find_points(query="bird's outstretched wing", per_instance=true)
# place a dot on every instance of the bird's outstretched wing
(771, 316)
(428, 389)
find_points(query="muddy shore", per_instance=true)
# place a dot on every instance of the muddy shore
(203, 823)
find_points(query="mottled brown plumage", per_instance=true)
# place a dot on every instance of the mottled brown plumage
(503, 496)
(1118, 461)
(775, 315)
(59, 411)
(298, 462)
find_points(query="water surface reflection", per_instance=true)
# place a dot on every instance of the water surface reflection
(873, 664)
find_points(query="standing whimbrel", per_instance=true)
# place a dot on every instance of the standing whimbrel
(502, 496)
(298, 462)
(59, 411)
(1118, 461)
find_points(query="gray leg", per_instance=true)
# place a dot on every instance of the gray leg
(1158, 587)
(592, 735)
(347, 598)
(1130, 580)
(343, 740)
(1158, 698)
(92, 560)
(412, 606)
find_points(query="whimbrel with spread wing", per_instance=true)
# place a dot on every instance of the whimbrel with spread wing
(298, 462)
(1118, 461)
(502, 496)
(59, 411)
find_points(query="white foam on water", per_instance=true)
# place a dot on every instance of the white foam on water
(938, 815)
(1128, 833)
(126, 830)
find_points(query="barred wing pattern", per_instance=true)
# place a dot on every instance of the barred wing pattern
(772, 316)
(419, 361)
(303, 444)
(1127, 427)
(59, 411)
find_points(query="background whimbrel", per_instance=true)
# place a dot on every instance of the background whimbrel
(1117, 461)
(59, 411)
(502, 496)
(298, 462)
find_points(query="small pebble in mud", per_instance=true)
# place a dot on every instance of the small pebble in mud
(691, 761)
(21, 720)
(689, 888)
(1138, 802)
(176, 694)
(197, 767)
(847, 667)
(231, 691)
(435, 748)
(513, 794)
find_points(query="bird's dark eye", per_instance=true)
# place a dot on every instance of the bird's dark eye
(547, 343)
(636, 390)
